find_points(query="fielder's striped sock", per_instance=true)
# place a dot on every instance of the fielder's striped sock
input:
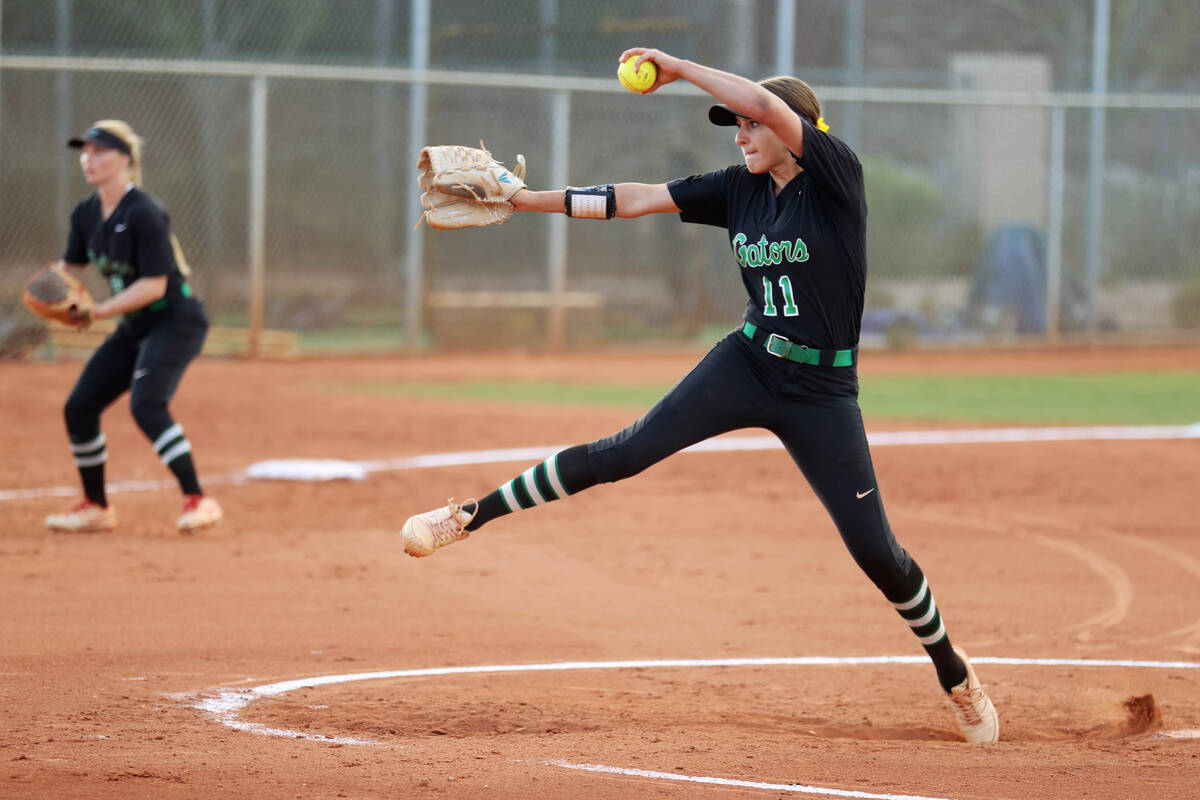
(920, 611)
(90, 456)
(176, 452)
(560, 475)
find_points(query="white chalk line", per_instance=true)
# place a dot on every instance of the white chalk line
(226, 705)
(721, 444)
(796, 788)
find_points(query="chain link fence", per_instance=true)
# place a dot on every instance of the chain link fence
(1007, 197)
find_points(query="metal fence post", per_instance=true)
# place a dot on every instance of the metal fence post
(258, 207)
(1054, 224)
(785, 37)
(1, 98)
(418, 102)
(1093, 241)
(556, 246)
(853, 45)
(62, 116)
(382, 136)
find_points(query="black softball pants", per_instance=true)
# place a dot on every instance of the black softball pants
(149, 367)
(739, 385)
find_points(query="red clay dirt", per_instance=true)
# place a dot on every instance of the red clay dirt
(1080, 550)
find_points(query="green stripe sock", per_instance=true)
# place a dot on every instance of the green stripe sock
(560, 475)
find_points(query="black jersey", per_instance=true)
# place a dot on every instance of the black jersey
(134, 242)
(802, 253)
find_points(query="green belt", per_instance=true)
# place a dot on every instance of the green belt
(160, 303)
(782, 347)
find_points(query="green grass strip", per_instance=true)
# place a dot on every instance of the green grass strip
(1116, 398)
(520, 392)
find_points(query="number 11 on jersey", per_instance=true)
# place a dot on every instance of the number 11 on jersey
(790, 309)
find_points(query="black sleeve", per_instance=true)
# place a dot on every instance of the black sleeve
(151, 231)
(703, 198)
(76, 252)
(834, 167)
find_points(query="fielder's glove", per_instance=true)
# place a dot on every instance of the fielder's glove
(54, 293)
(463, 187)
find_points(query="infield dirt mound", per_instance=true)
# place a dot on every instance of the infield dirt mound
(1070, 550)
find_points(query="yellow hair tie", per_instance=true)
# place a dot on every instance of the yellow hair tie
(821, 126)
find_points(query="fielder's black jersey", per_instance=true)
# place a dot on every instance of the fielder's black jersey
(802, 253)
(134, 242)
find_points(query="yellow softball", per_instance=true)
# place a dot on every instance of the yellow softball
(638, 81)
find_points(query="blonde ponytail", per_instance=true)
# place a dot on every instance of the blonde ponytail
(185, 269)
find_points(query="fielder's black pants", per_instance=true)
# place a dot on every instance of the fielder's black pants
(147, 361)
(740, 385)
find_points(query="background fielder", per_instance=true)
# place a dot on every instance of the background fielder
(125, 234)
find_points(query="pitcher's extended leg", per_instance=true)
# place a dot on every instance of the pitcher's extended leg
(698, 407)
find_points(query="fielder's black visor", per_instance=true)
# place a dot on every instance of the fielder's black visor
(101, 138)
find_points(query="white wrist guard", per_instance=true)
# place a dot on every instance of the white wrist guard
(591, 202)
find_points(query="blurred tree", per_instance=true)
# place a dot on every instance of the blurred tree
(1153, 46)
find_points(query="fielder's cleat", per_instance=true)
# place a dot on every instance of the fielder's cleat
(976, 715)
(426, 532)
(87, 517)
(199, 512)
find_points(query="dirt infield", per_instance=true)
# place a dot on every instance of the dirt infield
(1085, 551)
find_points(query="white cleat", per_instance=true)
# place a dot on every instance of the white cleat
(199, 512)
(87, 517)
(426, 532)
(976, 715)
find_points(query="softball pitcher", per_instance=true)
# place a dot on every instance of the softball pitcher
(795, 213)
(125, 233)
